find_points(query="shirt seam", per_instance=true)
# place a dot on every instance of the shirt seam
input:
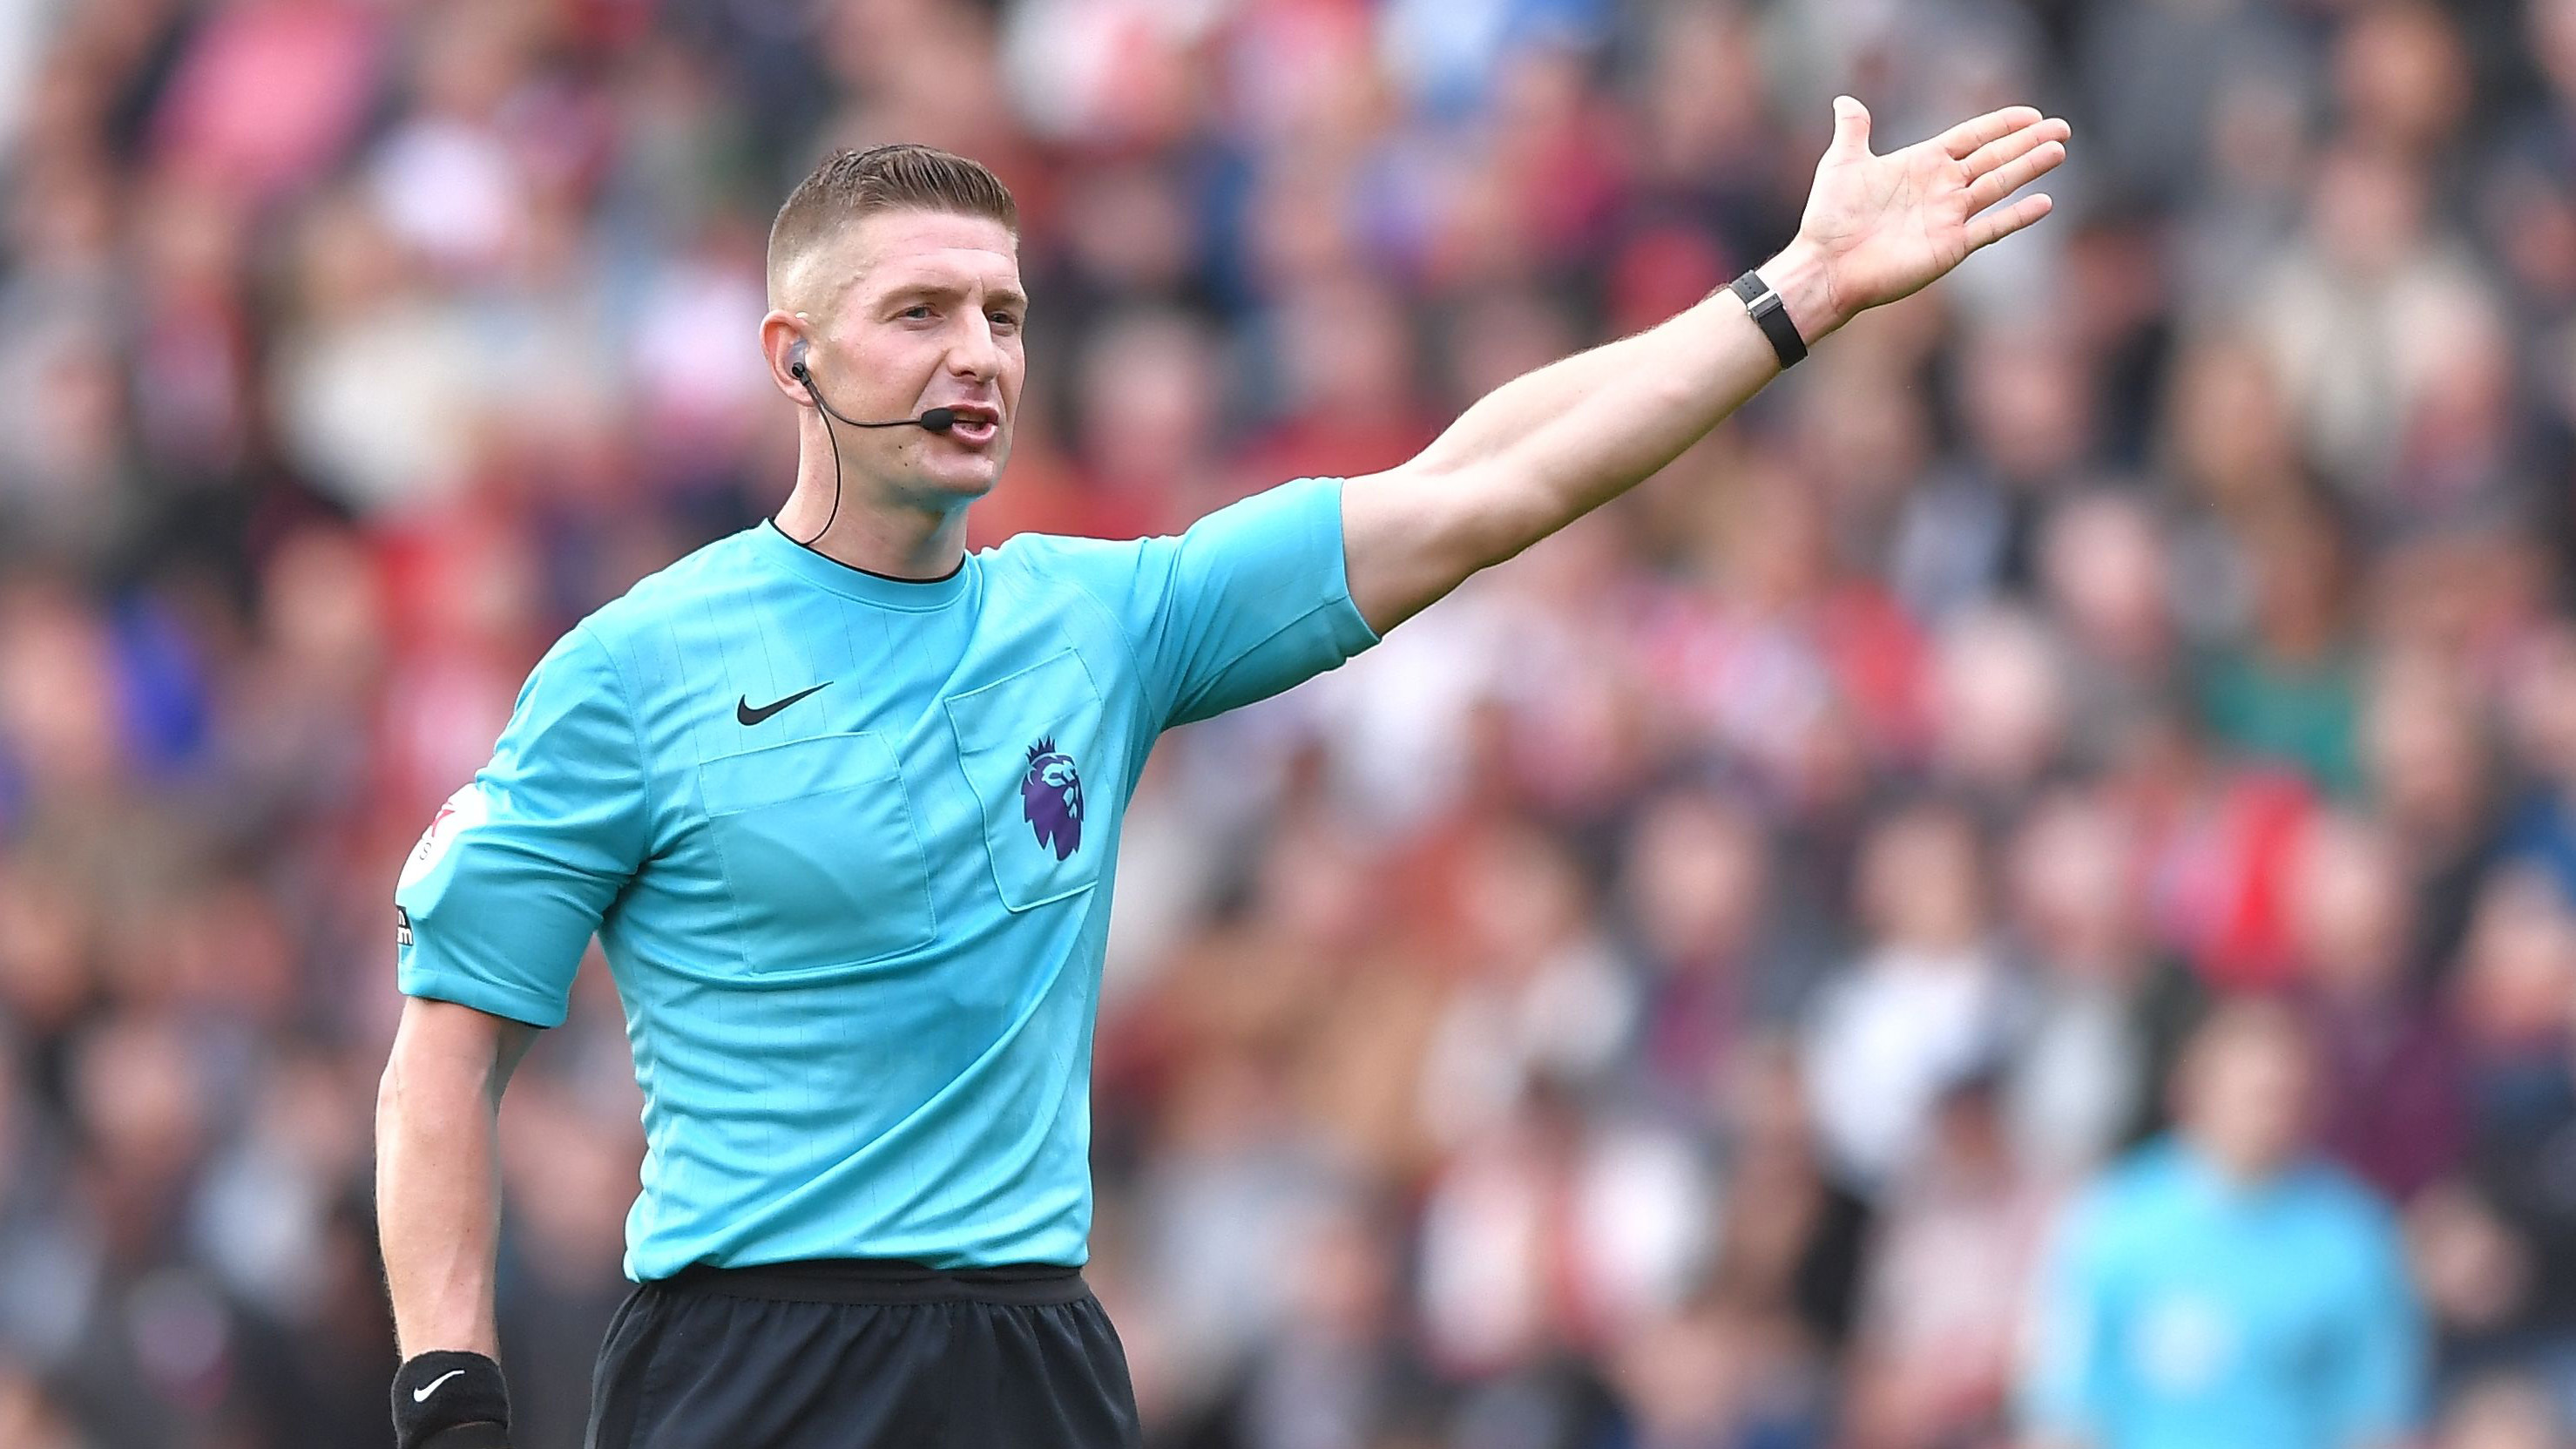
(1135, 657)
(1167, 710)
(634, 732)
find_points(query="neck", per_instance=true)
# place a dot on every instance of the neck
(875, 528)
(2242, 1170)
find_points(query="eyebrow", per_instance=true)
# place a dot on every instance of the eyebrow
(942, 291)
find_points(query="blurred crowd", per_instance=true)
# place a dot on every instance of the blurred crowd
(1667, 996)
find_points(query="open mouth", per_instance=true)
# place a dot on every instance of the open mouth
(975, 425)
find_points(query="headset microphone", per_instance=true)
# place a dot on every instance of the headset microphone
(934, 420)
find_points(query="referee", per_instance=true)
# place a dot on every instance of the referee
(842, 801)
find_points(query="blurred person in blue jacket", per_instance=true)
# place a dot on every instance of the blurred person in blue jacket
(2223, 1286)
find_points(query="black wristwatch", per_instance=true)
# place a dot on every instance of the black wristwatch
(1772, 315)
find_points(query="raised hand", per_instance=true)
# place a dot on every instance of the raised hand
(1880, 227)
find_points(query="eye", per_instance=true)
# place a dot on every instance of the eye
(918, 312)
(1006, 319)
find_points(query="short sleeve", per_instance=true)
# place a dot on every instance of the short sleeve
(1251, 600)
(497, 902)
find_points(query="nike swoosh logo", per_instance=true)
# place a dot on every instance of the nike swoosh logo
(750, 716)
(421, 1395)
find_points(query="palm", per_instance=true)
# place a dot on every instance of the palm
(1887, 225)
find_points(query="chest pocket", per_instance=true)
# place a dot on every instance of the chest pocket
(1038, 757)
(820, 851)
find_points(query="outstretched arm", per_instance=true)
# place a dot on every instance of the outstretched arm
(1551, 445)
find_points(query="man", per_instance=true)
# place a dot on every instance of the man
(2223, 1288)
(842, 803)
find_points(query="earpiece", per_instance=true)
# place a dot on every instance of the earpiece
(796, 370)
(935, 420)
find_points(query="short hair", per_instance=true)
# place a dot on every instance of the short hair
(848, 184)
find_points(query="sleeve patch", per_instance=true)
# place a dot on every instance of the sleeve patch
(464, 810)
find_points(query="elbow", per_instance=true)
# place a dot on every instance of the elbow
(391, 1093)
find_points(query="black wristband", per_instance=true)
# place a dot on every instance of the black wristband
(448, 1400)
(1771, 314)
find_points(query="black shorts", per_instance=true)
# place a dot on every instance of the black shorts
(852, 1354)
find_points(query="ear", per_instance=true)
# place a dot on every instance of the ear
(784, 343)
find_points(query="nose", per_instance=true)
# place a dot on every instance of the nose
(975, 353)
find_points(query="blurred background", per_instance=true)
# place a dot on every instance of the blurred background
(1665, 997)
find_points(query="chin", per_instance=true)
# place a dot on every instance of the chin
(945, 490)
(965, 484)
(972, 475)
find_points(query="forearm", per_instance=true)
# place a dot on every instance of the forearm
(438, 1197)
(1555, 443)
(1546, 448)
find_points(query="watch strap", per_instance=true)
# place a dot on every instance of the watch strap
(1771, 314)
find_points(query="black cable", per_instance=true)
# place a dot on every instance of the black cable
(936, 420)
(826, 410)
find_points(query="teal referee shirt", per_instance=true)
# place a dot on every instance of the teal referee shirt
(2188, 1311)
(848, 844)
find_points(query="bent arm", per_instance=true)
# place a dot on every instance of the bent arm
(438, 1185)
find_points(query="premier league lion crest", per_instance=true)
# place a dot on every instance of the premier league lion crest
(1051, 797)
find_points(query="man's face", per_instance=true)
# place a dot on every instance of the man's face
(924, 311)
(2247, 1097)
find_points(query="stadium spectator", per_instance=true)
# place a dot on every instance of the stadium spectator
(2221, 1287)
(349, 351)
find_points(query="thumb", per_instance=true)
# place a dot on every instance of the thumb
(1851, 126)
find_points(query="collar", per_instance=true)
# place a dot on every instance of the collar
(885, 591)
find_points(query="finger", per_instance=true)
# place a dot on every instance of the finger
(1995, 185)
(1995, 153)
(1967, 136)
(1851, 125)
(1994, 226)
